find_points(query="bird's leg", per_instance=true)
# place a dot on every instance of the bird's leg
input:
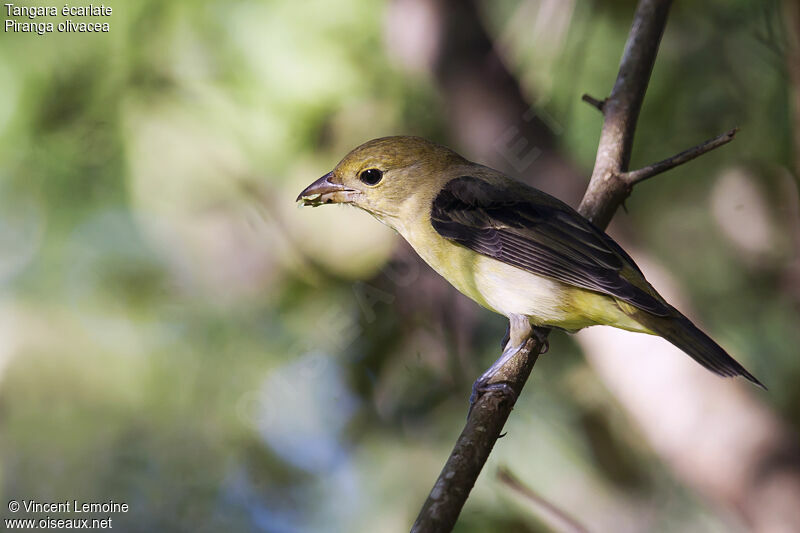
(506, 337)
(541, 336)
(519, 331)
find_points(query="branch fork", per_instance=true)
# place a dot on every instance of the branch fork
(610, 185)
(632, 177)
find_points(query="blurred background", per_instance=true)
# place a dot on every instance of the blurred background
(177, 335)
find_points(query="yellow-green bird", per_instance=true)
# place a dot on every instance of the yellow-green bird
(511, 248)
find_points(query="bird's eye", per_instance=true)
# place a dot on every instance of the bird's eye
(371, 176)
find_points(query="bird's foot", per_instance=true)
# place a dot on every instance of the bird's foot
(517, 335)
(545, 344)
(483, 384)
(541, 337)
(480, 387)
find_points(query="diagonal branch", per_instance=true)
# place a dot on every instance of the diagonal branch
(553, 517)
(605, 193)
(633, 177)
(484, 425)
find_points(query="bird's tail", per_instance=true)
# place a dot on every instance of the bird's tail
(680, 331)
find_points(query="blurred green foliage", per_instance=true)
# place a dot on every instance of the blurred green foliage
(175, 335)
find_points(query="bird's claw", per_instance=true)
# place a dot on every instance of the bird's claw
(541, 337)
(545, 347)
(481, 387)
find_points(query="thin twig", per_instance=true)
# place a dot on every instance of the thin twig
(594, 102)
(635, 176)
(603, 196)
(555, 518)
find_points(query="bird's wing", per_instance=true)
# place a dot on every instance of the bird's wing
(533, 231)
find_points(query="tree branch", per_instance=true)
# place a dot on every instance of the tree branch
(607, 189)
(555, 518)
(605, 193)
(594, 102)
(635, 176)
(472, 449)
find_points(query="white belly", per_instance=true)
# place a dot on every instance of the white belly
(510, 290)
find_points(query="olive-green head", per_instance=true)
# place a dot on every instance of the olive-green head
(381, 175)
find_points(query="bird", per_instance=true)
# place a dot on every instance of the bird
(510, 247)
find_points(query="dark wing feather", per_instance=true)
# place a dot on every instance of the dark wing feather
(544, 237)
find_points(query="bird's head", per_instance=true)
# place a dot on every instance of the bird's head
(382, 175)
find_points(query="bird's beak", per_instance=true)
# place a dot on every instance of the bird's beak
(325, 191)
